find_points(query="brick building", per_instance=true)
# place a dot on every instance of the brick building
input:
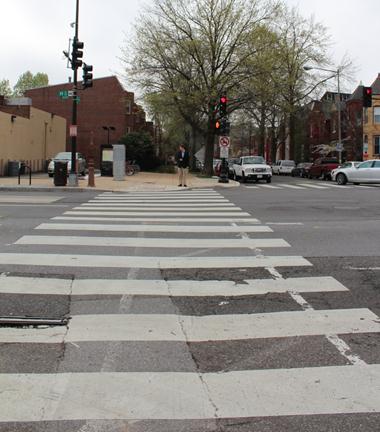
(107, 103)
(371, 124)
(322, 122)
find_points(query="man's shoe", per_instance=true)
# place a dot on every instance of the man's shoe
(184, 185)
(179, 185)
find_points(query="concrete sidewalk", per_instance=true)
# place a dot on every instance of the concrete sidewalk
(143, 181)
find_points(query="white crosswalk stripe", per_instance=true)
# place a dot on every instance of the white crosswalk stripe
(308, 186)
(152, 242)
(156, 228)
(161, 273)
(233, 394)
(159, 287)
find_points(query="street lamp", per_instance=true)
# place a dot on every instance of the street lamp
(108, 129)
(337, 74)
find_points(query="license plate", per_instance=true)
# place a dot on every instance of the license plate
(259, 176)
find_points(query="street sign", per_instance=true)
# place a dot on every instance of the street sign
(224, 152)
(63, 94)
(73, 130)
(224, 141)
(339, 147)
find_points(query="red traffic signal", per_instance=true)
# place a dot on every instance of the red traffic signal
(223, 106)
(367, 97)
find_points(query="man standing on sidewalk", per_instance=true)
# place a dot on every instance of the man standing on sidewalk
(182, 159)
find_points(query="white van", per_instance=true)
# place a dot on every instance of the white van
(283, 167)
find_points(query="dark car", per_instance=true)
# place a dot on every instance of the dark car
(301, 170)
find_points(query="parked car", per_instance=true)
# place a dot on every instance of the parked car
(231, 163)
(322, 168)
(283, 167)
(252, 167)
(66, 157)
(301, 170)
(348, 164)
(365, 172)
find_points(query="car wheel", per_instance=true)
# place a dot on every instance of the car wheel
(51, 175)
(269, 180)
(356, 184)
(243, 178)
(235, 176)
(310, 177)
(341, 179)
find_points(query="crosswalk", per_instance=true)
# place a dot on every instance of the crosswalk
(147, 343)
(310, 186)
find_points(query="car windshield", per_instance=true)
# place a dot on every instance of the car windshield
(288, 163)
(64, 156)
(254, 160)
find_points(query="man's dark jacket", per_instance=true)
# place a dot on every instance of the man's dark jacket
(182, 162)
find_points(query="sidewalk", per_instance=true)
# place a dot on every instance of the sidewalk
(143, 181)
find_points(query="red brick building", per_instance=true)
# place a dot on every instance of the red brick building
(105, 104)
(322, 124)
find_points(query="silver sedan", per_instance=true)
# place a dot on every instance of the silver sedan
(365, 172)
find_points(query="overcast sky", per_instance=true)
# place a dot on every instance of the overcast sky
(33, 34)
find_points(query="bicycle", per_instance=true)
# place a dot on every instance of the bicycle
(132, 168)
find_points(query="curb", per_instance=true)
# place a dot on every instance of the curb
(55, 189)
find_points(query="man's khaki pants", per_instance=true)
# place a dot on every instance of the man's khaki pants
(182, 176)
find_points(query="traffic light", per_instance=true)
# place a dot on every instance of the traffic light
(223, 106)
(225, 127)
(87, 76)
(367, 97)
(217, 126)
(77, 54)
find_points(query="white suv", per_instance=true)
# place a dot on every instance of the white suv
(66, 157)
(283, 167)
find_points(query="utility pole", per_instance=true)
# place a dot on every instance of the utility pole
(73, 177)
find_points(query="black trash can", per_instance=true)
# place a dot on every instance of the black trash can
(60, 173)
(13, 167)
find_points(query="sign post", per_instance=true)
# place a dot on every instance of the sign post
(224, 145)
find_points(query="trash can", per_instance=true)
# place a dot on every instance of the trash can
(60, 173)
(13, 167)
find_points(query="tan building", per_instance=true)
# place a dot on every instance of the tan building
(29, 134)
(371, 125)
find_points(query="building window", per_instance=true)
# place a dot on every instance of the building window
(128, 130)
(376, 115)
(376, 149)
(129, 107)
(365, 139)
(365, 115)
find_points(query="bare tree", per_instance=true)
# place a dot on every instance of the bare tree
(194, 51)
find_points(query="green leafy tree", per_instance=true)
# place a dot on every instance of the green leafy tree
(28, 81)
(5, 88)
(140, 148)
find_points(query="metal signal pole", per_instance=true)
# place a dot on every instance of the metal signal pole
(73, 177)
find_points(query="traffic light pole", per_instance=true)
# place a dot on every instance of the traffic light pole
(73, 177)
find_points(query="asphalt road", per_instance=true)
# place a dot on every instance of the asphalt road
(314, 379)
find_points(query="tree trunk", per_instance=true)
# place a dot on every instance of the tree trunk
(210, 140)
(209, 154)
(292, 132)
(194, 135)
(262, 131)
